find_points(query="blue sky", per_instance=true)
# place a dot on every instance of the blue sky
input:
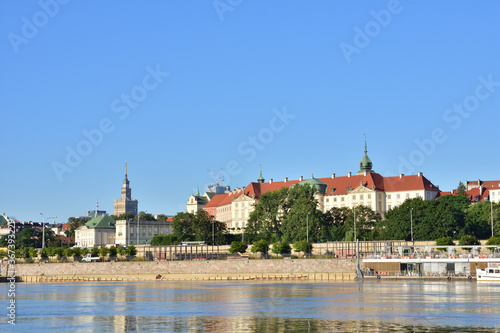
(175, 88)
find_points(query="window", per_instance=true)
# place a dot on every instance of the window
(342, 199)
(417, 195)
(369, 196)
(388, 196)
(380, 195)
(389, 207)
(354, 197)
(407, 195)
(327, 200)
(361, 197)
(236, 205)
(398, 196)
(334, 199)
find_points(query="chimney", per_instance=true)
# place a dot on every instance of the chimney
(333, 176)
(401, 175)
(270, 181)
(301, 178)
(419, 174)
(349, 174)
(481, 189)
(365, 173)
(286, 179)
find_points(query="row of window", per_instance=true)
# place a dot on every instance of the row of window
(369, 196)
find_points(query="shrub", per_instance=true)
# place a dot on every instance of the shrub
(84, 251)
(238, 247)
(112, 251)
(131, 250)
(103, 251)
(281, 247)
(76, 252)
(261, 246)
(468, 240)
(94, 251)
(444, 241)
(493, 241)
(303, 246)
(122, 250)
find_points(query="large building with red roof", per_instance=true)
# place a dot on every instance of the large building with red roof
(366, 187)
(480, 190)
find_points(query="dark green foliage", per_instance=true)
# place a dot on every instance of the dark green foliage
(143, 216)
(76, 252)
(94, 251)
(261, 246)
(302, 246)
(103, 251)
(165, 240)
(432, 219)
(468, 240)
(493, 241)
(124, 216)
(122, 250)
(84, 251)
(198, 227)
(131, 250)
(238, 247)
(112, 251)
(461, 202)
(281, 247)
(445, 241)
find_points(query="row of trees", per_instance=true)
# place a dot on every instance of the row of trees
(75, 252)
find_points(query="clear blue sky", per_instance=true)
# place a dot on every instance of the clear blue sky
(177, 87)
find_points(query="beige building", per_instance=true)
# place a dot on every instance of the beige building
(126, 231)
(99, 231)
(125, 204)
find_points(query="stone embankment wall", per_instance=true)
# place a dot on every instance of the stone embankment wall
(283, 266)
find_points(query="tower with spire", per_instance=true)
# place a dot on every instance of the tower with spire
(365, 166)
(125, 204)
(261, 179)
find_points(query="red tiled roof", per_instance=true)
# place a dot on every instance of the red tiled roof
(339, 184)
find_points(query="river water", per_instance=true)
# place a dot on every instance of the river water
(262, 306)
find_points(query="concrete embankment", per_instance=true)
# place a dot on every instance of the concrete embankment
(309, 269)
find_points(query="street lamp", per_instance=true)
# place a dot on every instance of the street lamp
(491, 201)
(43, 228)
(307, 226)
(213, 235)
(138, 221)
(354, 210)
(411, 225)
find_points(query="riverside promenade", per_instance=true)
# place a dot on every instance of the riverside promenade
(208, 270)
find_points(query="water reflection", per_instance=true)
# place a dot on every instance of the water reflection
(260, 307)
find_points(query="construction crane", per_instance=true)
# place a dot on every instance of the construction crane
(219, 178)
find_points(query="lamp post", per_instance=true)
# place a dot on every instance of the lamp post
(354, 210)
(491, 201)
(43, 228)
(138, 221)
(307, 227)
(213, 235)
(411, 225)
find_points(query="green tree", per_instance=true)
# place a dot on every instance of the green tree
(76, 252)
(469, 240)
(84, 251)
(281, 247)
(478, 219)
(44, 253)
(461, 202)
(335, 224)
(124, 216)
(145, 217)
(68, 252)
(432, 219)
(112, 251)
(261, 246)
(238, 247)
(164, 240)
(162, 217)
(122, 250)
(59, 252)
(462, 190)
(103, 251)
(366, 222)
(131, 250)
(302, 246)
(94, 251)
(444, 241)
(264, 222)
(493, 241)
(75, 223)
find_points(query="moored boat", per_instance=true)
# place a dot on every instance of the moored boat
(489, 274)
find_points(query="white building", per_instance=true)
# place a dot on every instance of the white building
(99, 231)
(126, 231)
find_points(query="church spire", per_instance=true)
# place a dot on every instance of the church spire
(260, 179)
(125, 170)
(366, 164)
(197, 191)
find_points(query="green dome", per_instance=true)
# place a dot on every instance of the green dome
(366, 164)
(316, 183)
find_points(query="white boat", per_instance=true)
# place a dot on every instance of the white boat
(490, 274)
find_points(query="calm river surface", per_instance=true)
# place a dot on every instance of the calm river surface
(370, 306)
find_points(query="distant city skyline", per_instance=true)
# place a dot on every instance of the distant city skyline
(175, 88)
